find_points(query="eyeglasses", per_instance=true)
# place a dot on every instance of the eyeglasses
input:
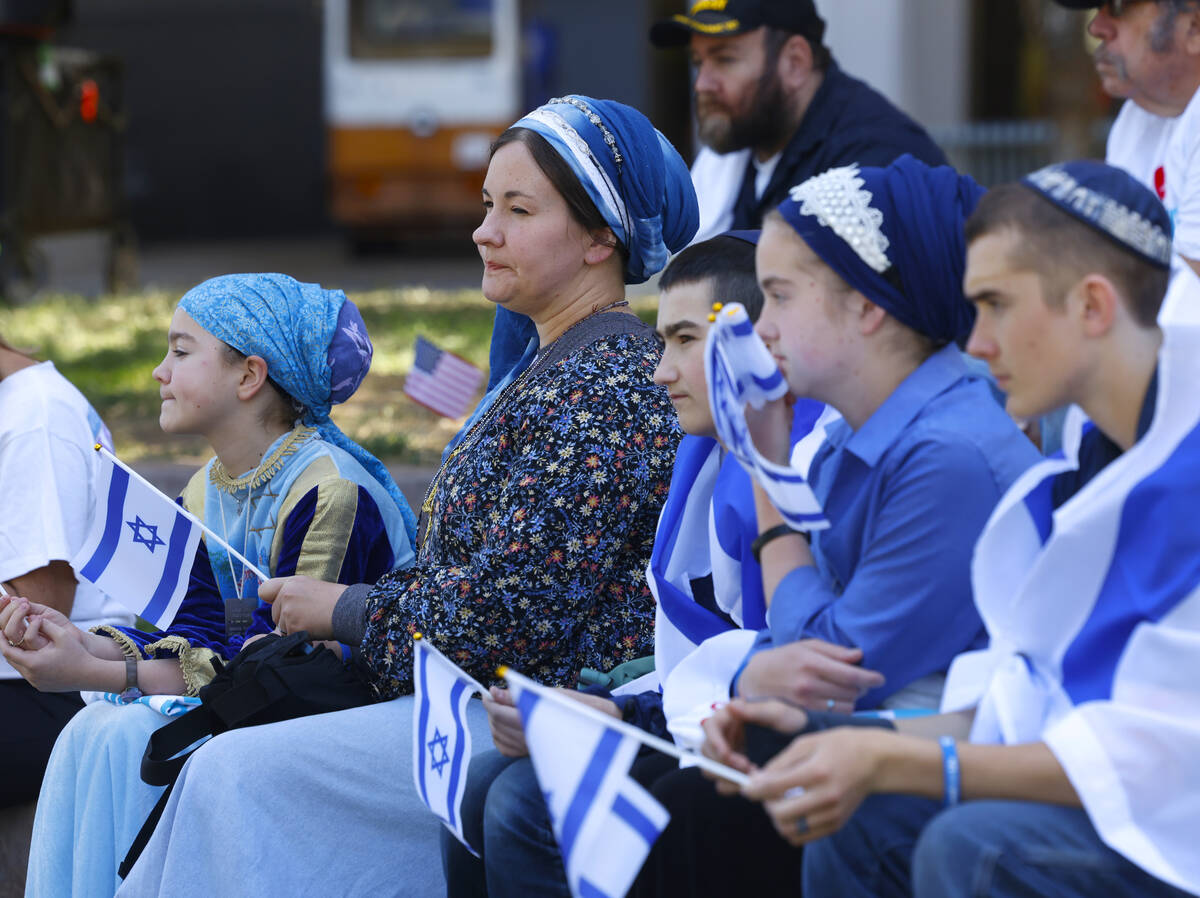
(1116, 8)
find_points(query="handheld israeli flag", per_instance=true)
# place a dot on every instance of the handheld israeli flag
(740, 370)
(441, 739)
(605, 822)
(141, 545)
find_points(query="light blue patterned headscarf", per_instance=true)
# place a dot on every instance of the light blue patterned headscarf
(313, 340)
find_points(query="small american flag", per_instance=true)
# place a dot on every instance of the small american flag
(441, 381)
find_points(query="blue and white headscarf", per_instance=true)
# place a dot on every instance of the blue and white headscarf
(896, 235)
(635, 177)
(313, 340)
(638, 182)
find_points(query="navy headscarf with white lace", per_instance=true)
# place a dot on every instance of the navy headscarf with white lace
(896, 235)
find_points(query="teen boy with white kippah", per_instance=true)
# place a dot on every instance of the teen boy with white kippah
(1073, 738)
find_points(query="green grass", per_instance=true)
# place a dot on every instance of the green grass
(108, 348)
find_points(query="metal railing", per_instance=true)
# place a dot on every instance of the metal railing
(1000, 151)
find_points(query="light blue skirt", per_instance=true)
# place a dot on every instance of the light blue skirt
(320, 805)
(92, 803)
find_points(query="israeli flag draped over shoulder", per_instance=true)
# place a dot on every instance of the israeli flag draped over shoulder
(740, 370)
(441, 738)
(605, 822)
(709, 602)
(141, 545)
(1094, 615)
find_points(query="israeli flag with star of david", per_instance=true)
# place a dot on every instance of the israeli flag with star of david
(141, 545)
(740, 370)
(441, 739)
(605, 822)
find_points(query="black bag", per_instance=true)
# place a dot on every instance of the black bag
(274, 678)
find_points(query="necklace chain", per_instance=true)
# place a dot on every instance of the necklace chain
(472, 437)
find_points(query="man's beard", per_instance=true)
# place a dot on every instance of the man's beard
(764, 125)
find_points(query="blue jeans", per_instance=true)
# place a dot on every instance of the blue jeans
(900, 846)
(505, 817)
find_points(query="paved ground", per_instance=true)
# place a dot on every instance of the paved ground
(171, 479)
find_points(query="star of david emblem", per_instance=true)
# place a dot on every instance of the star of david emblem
(438, 741)
(151, 539)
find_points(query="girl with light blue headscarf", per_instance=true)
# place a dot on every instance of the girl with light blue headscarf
(254, 363)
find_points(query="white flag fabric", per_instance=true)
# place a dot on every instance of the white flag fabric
(605, 822)
(441, 738)
(1093, 614)
(141, 545)
(740, 370)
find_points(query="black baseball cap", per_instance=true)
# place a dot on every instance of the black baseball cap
(1096, 4)
(723, 18)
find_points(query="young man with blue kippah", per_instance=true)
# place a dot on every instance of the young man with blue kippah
(1072, 740)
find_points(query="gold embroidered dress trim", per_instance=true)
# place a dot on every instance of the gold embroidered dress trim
(270, 466)
(195, 662)
(128, 646)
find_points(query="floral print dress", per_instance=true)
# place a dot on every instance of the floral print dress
(540, 527)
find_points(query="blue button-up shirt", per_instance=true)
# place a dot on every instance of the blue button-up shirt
(908, 493)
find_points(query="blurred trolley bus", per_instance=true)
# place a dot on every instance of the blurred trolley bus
(415, 92)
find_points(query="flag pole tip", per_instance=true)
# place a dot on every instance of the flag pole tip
(97, 447)
(502, 670)
(416, 636)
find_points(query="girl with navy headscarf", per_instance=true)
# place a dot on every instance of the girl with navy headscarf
(861, 270)
(535, 533)
(254, 363)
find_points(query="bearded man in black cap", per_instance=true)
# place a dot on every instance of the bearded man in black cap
(774, 109)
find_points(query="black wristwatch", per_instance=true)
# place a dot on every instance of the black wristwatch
(131, 692)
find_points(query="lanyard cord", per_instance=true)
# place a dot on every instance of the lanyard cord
(245, 547)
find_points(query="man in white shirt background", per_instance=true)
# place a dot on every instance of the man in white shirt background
(1149, 55)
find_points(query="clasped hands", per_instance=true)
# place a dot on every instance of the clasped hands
(47, 649)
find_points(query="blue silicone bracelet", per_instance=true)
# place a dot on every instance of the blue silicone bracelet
(951, 777)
